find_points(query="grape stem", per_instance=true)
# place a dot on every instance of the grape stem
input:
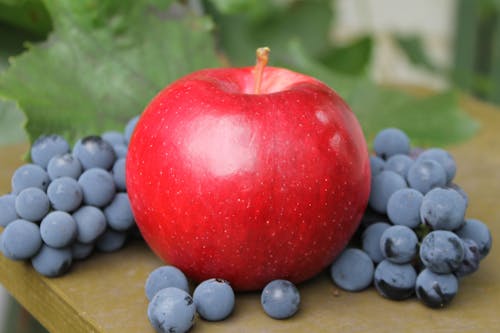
(262, 54)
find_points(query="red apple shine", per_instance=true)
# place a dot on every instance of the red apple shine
(248, 174)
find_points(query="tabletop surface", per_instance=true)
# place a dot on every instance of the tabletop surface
(105, 293)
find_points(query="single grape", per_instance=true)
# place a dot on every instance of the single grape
(91, 223)
(80, 251)
(352, 270)
(58, 229)
(460, 191)
(214, 299)
(129, 128)
(280, 299)
(399, 163)
(442, 157)
(114, 138)
(119, 174)
(94, 152)
(64, 165)
(399, 244)
(111, 240)
(442, 251)
(7, 209)
(21, 240)
(403, 207)
(171, 310)
(164, 277)
(120, 151)
(425, 174)
(383, 186)
(52, 262)
(376, 165)
(443, 209)
(119, 213)
(370, 240)
(471, 260)
(436, 290)
(479, 232)
(46, 147)
(32, 204)
(98, 187)
(395, 281)
(29, 175)
(65, 194)
(391, 141)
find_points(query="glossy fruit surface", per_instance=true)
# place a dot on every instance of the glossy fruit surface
(248, 184)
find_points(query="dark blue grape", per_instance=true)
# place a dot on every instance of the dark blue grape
(399, 163)
(395, 281)
(399, 244)
(52, 262)
(442, 251)
(352, 270)
(403, 207)
(280, 299)
(371, 240)
(436, 290)
(58, 229)
(442, 157)
(98, 187)
(119, 174)
(443, 209)
(91, 223)
(111, 240)
(29, 175)
(7, 209)
(114, 137)
(376, 165)
(46, 147)
(383, 186)
(120, 151)
(391, 141)
(21, 240)
(65, 165)
(479, 232)
(424, 175)
(129, 128)
(171, 310)
(164, 277)
(94, 152)
(119, 213)
(471, 260)
(32, 204)
(81, 251)
(65, 194)
(214, 299)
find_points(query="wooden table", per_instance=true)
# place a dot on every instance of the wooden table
(105, 293)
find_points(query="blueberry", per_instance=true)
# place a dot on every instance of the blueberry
(214, 299)
(171, 310)
(280, 299)
(163, 277)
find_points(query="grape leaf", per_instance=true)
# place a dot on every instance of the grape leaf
(435, 120)
(103, 62)
(11, 121)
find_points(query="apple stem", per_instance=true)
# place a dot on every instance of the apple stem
(262, 59)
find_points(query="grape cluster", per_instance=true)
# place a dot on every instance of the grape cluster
(415, 238)
(67, 202)
(172, 308)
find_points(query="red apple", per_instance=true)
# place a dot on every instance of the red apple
(248, 174)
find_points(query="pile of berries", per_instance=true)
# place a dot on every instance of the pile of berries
(415, 238)
(68, 202)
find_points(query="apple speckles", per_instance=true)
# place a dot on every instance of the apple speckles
(322, 116)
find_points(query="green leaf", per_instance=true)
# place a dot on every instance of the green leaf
(306, 21)
(435, 120)
(28, 15)
(353, 58)
(103, 63)
(414, 49)
(11, 123)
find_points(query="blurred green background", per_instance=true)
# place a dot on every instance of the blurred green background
(82, 67)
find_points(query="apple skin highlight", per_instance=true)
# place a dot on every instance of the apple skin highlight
(226, 182)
